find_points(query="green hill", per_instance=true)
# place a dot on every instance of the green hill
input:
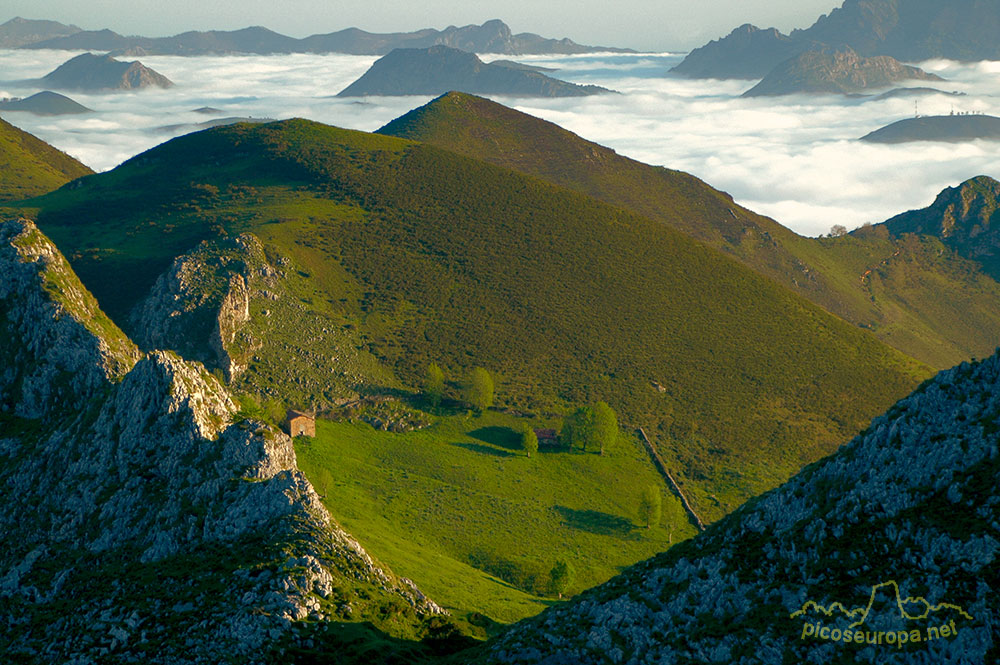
(30, 166)
(920, 307)
(423, 255)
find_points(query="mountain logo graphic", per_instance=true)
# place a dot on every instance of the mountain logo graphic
(909, 609)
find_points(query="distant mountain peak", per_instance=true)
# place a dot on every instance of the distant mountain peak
(909, 30)
(89, 71)
(836, 70)
(441, 68)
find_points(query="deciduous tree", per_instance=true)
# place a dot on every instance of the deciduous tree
(650, 506)
(479, 392)
(561, 577)
(605, 426)
(529, 441)
(578, 428)
(434, 384)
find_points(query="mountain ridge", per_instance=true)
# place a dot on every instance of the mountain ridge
(891, 285)
(909, 30)
(488, 239)
(142, 473)
(493, 36)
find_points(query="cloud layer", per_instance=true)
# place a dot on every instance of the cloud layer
(793, 158)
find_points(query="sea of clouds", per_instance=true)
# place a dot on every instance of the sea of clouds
(794, 158)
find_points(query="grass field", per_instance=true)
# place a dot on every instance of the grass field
(460, 509)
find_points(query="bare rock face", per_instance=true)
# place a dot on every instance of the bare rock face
(60, 349)
(200, 306)
(141, 523)
(904, 520)
(234, 313)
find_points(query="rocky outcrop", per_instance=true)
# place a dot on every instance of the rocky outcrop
(201, 305)
(144, 523)
(966, 218)
(835, 71)
(910, 507)
(234, 312)
(60, 350)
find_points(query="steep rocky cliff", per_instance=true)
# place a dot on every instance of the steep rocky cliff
(143, 520)
(200, 306)
(228, 304)
(885, 552)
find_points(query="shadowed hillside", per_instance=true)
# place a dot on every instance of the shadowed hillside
(30, 166)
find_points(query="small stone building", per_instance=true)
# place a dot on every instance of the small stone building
(547, 438)
(300, 424)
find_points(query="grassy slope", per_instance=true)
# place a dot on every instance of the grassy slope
(460, 501)
(908, 312)
(435, 257)
(29, 166)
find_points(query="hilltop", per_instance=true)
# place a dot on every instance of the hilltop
(30, 167)
(402, 254)
(835, 71)
(438, 69)
(45, 103)
(915, 294)
(965, 219)
(895, 533)
(748, 52)
(102, 72)
(908, 30)
(946, 128)
(491, 37)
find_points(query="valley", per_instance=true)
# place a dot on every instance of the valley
(513, 351)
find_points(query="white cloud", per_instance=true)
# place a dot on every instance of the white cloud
(793, 158)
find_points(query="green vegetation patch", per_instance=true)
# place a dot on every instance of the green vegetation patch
(459, 508)
(418, 255)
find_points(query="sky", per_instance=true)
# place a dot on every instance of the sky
(796, 159)
(648, 25)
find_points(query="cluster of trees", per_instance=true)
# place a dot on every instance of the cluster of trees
(478, 388)
(590, 426)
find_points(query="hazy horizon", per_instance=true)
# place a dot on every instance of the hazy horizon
(793, 158)
(653, 27)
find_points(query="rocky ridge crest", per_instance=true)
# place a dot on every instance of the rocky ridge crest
(163, 527)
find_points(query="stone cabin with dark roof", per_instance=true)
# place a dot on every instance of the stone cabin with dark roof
(300, 423)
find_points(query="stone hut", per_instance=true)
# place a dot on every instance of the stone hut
(300, 424)
(547, 438)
